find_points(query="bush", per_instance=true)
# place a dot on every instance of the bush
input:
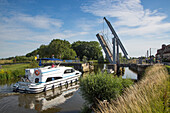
(168, 68)
(102, 86)
(33, 64)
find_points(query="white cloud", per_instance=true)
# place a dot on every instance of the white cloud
(131, 18)
(139, 46)
(139, 28)
(38, 21)
(21, 33)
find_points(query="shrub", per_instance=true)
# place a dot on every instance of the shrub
(102, 86)
(168, 68)
(33, 64)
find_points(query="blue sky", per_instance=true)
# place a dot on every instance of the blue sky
(27, 24)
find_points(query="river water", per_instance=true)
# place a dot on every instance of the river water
(60, 100)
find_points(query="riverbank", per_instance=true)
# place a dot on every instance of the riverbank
(149, 95)
(11, 72)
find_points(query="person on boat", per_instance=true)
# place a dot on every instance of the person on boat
(53, 66)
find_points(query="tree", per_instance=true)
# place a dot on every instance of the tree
(59, 48)
(91, 50)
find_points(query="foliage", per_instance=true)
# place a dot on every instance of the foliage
(102, 86)
(168, 68)
(14, 66)
(11, 72)
(84, 59)
(34, 64)
(150, 95)
(16, 59)
(59, 48)
(86, 109)
(19, 59)
(91, 50)
(5, 61)
(101, 59)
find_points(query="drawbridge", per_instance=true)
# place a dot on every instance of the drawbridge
(112, 52)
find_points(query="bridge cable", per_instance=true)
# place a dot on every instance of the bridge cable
(103, 26)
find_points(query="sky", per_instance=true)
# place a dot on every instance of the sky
(27, 24)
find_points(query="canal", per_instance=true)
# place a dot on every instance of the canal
(62, 100)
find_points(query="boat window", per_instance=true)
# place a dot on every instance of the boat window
(37, 80)
(67, 71)
(52, 78)
(49, 79)
(56, 78)
(72, 70)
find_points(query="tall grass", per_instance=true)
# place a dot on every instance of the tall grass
(11, 72)
(6, 61)
(150, 95)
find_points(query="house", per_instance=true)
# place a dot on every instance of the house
(163, 54)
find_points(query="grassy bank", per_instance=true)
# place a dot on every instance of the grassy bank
(11, 72)
(168, 68)
(6, 61)
(150, 95)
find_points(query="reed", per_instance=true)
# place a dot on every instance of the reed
(149, 95)
(12, 72)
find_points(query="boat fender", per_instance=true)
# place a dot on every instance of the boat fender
(53, 87)
(44, 89)
(37, 72)
(16, 89)
(66, 83)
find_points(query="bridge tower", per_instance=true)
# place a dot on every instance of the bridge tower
(112, 51)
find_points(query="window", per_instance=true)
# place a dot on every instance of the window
(69, 71)
(56, 78)
(72, 70)
(37, 80)
(49, 79)
(52, 78)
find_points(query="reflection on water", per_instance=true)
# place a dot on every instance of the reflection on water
(130, 74)
(49, 99)
(63, 99)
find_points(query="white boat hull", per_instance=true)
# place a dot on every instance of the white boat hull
(42, 87)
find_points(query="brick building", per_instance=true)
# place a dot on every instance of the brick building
(163, 54)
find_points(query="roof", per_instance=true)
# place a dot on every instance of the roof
(53, 59)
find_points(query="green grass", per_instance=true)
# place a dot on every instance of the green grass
(168, 68)
(6, 61)
(149, 95)
(15, 66)
(11, 72)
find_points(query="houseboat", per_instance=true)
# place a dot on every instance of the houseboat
(41, 79)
